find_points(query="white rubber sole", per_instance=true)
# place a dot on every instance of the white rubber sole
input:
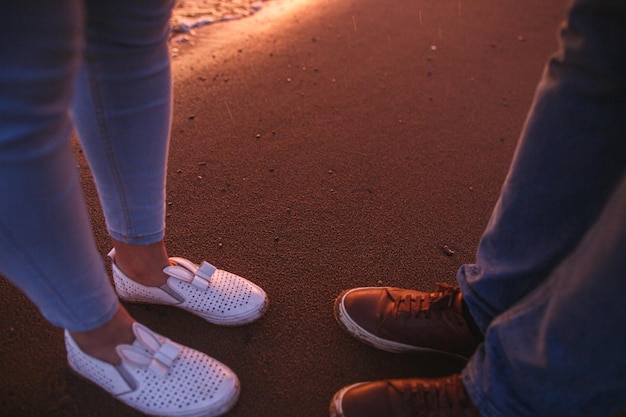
(336, 409)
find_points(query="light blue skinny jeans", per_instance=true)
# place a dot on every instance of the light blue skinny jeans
(549, 283)
(101, 67)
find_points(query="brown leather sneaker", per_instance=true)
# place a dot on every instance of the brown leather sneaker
(400, 320)
(441, 397)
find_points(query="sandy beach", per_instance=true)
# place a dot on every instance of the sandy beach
(317, 145)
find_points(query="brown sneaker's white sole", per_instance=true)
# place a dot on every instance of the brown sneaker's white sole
(335, 404)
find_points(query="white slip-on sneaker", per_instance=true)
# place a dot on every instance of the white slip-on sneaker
(159, 377)
(217, 296)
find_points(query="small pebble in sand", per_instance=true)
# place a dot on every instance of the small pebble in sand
(448, 251)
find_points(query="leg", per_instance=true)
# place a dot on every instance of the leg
(122, 112)
(46, 243)
(554, 242)
(571, 154)
(559, 352)
(569, 158)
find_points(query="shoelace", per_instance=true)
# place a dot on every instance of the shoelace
(443, 297)
(436, 398)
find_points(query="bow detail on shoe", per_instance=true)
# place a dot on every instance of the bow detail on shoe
(156, 356)
(185, 270)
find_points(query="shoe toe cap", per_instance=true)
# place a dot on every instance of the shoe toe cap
(229, 299)
(362, 400)
(361, 306)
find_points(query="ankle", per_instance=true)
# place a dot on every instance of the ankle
(101, 342)
(142, 264)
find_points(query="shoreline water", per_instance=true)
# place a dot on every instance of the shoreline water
(189, 15)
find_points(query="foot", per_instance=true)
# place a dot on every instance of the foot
(143, 263)
(400, 320)
(218, 296)
(404, 398)
(160, 377)
(101, 342)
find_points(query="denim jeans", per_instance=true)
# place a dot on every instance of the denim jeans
(101, 67)
(550, 273)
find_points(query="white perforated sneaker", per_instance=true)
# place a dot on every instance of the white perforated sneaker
(159, 377)
(213, 294)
